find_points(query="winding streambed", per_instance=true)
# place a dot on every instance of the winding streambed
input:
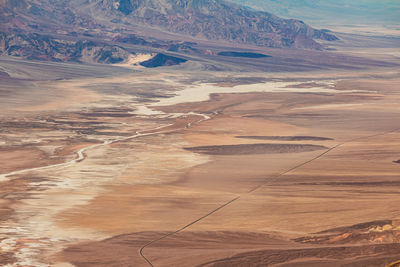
(28, 228)
(29, 254)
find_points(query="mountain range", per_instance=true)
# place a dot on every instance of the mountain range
(213, 20)
(97, 30)
(328, 12)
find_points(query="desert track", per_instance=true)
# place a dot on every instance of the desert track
(267, 180)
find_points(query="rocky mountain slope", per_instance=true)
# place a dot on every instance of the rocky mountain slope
(100, 30)
(214, 20)
(44, 47)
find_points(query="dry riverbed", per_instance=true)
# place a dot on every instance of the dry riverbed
(189, 171)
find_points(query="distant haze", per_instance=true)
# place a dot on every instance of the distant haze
(334, 12)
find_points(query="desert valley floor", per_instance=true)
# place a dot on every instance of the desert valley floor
(111, 166)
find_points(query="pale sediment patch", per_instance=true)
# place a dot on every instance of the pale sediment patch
(143, 110)
(134, 60)
(202, 91)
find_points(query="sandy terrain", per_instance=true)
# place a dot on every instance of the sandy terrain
(298, 196)
(298, 171)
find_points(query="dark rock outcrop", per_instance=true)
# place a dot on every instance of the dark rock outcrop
(162, 60)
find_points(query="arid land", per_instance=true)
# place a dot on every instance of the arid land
(113, 166)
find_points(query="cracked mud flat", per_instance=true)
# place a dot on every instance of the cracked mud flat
(92, 175)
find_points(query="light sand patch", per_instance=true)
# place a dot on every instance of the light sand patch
(134, 60)
(202, 92)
